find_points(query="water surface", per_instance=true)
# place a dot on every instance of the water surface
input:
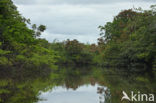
(74, 85)
(87, 93)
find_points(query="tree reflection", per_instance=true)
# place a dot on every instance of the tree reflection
(27, 90)
(104, 94)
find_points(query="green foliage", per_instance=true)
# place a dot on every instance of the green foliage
(130, 39)
(27, 62)
(73, 53)
(19, 47)
(38, 30)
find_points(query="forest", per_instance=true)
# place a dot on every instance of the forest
(128, 43)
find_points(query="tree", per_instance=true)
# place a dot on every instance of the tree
(129, 40)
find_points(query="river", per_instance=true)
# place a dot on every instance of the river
(76, 85)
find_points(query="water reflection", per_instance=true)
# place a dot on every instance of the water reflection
(74, 85)
(105, 96)
(85, 93)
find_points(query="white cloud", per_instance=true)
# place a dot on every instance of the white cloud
(75, 2)
(73, 21)
(85, 38)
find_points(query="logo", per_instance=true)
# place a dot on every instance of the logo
(125, 96)
(137, 97)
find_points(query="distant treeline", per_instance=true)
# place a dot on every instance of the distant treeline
(128, 41)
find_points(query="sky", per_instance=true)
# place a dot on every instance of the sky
(75, 19)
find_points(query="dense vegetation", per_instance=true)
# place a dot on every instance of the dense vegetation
(19, 46)
(128, 41)
(72, 52)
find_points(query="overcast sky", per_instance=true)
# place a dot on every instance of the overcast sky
(75, 19)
